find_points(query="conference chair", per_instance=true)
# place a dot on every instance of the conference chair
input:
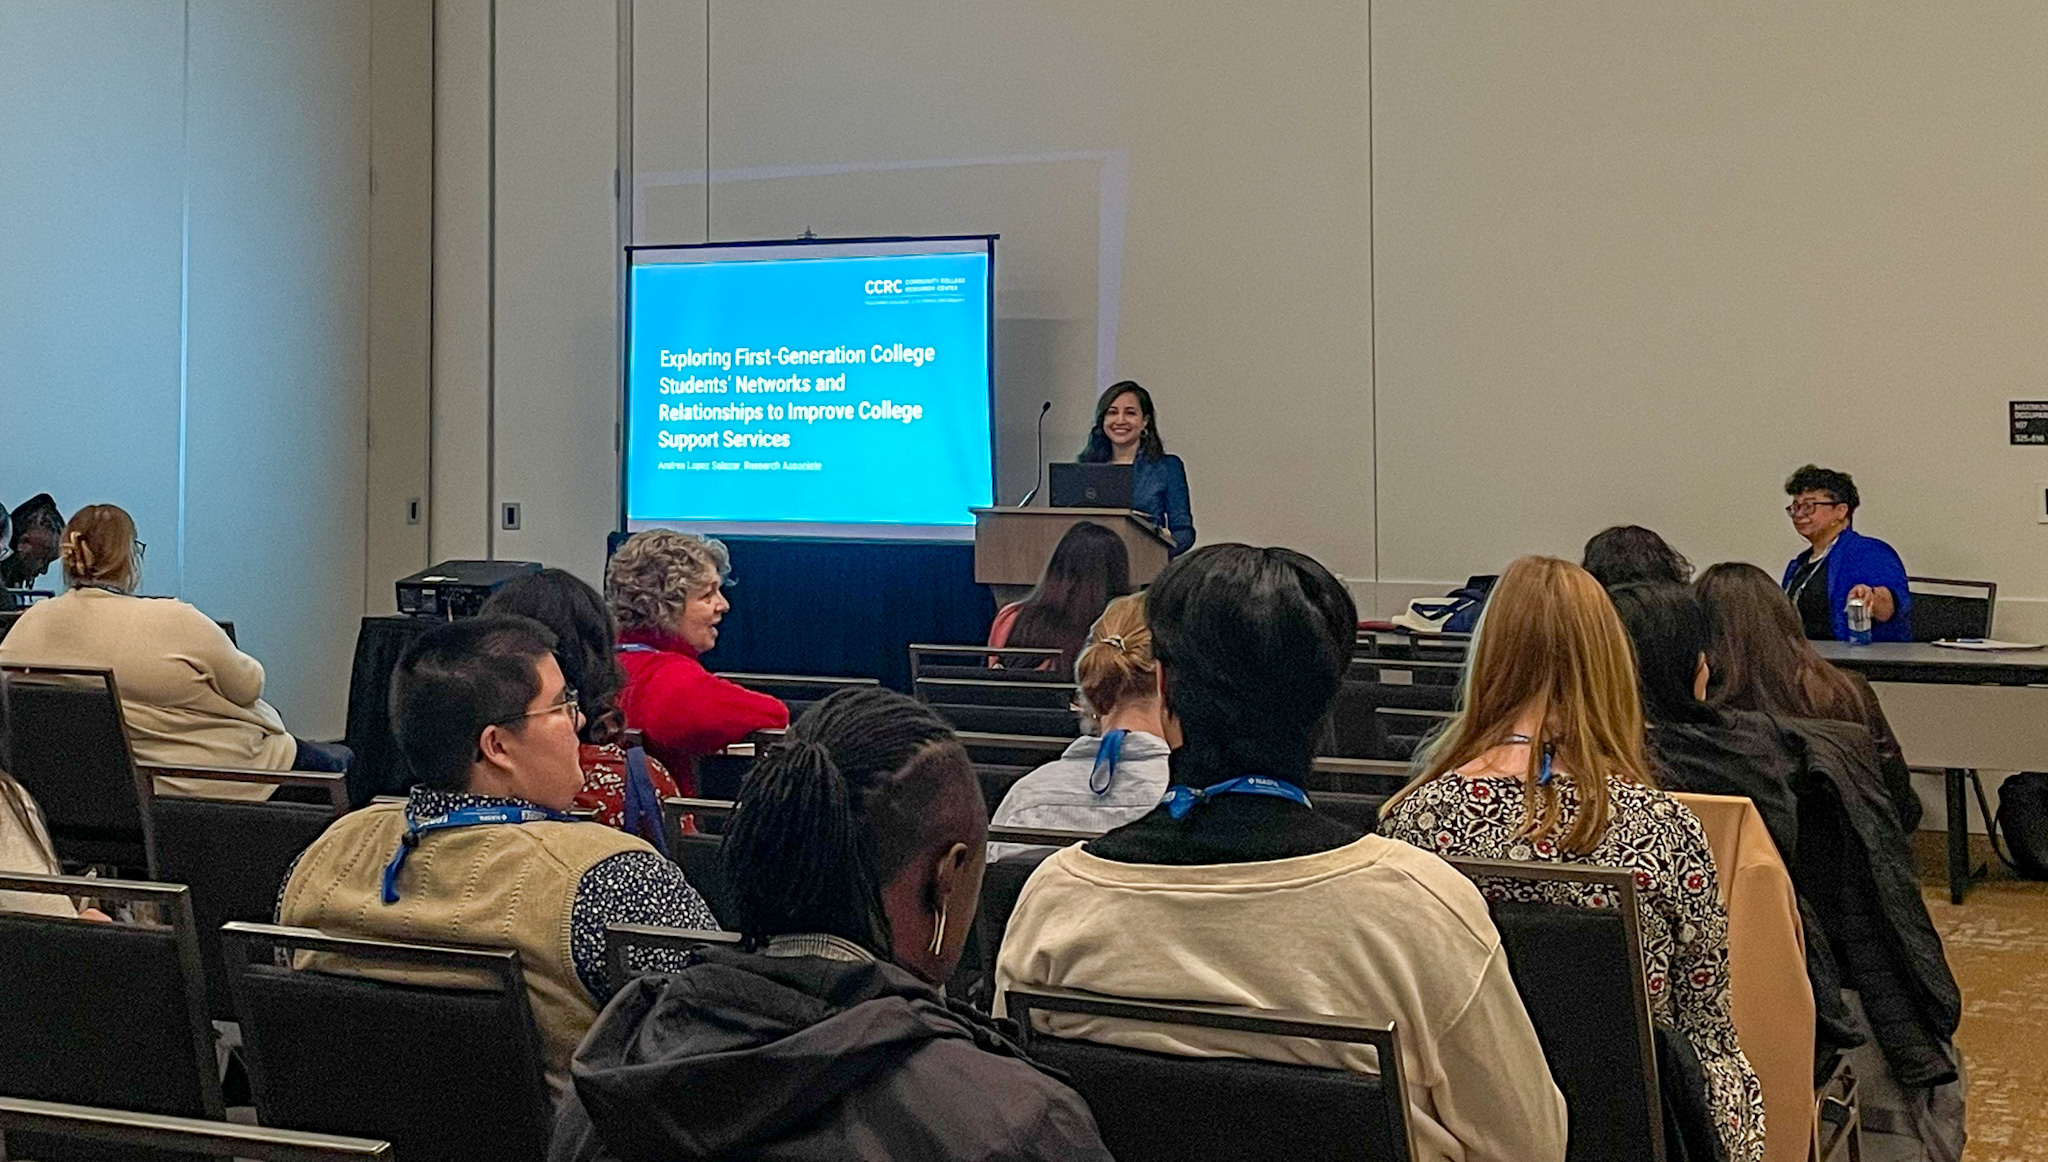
(1837, 1119)
(797, 691)
(233, 855)
(1579, 971)
(125, 1131)
(1358, 776)
(67, 743)
(621, 941)
(1021, 663)
(105, 1014)
(1157, 1107)
(1945, 609)
(451, 1070)
(700, 853)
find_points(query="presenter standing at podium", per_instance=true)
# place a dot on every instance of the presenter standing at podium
(1127, 432)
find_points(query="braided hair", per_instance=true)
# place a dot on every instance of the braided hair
(866, 781)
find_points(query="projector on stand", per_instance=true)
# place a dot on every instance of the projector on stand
(455, 589)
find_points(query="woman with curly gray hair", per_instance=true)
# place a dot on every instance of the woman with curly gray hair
(667, 590)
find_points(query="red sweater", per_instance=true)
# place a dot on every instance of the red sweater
(682, 709)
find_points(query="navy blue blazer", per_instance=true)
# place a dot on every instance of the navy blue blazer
(1159, 490)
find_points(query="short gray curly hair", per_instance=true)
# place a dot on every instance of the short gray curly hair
(651, 577)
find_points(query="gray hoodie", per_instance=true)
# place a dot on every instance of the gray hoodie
(803, 1058)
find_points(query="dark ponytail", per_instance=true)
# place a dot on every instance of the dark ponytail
(829, 815)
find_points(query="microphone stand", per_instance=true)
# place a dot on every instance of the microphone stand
(1038, 471)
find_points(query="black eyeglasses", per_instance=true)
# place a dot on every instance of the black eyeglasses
(1806, 507)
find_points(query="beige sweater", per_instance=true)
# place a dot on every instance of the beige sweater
(189, 696)
(25, 847)
(1376, 930)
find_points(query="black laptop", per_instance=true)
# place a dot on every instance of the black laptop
(1090, 485)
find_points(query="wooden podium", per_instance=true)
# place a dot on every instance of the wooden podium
(1012, 545)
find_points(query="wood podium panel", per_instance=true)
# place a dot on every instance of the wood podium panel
(1012, 545)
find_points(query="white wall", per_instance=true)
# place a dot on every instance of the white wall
(1588, 263)
(182, 303)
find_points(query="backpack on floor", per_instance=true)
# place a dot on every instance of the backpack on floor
(2023, 817)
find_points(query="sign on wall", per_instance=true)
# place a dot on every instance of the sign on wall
(2029, 421)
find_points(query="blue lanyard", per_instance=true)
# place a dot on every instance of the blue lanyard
(1106, 753)
(460, 817)
(633, 648)
(1181, 800)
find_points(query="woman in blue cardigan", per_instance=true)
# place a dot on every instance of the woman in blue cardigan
(1841, 562)
(1126, 432)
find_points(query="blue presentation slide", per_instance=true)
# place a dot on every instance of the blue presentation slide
(773, 394)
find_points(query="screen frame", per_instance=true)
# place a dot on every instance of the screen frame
(743, 530)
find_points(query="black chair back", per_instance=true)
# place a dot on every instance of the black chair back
(1021, 663)
(996, 691)
(68, 745)
(996, 781)
(702, 858)
(127, 1131)
(1949, 609)
(1041, 721)
(795, 688)
(104, 1014)
(1154, 1107)
(233, 855)
(622, 941)
(440, 1071)
(1580, 973)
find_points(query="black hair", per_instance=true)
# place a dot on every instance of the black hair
(456, 679)
(585, 637)
(38, 512)
(1089, 568)
(1255, 643)
(1098, 450)
(866, 781)
(1668, 627)
(1813, 478)
(1628, 553)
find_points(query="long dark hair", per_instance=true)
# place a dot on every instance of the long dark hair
(863, 783)
(1759, 652)
(1255, 643)
(584, 636)
(1669, 630)
(1089, 569)
(1098, 449)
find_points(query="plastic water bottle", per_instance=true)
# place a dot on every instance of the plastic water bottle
(1859, 622)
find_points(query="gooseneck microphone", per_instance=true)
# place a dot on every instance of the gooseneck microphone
(1038, 467)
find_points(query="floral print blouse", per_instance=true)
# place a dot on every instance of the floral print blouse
(1684, 926)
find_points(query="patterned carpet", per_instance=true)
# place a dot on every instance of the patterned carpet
(1997, 944)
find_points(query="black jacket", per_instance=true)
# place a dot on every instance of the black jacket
(1857, 869)
(799, 1058)
(1743, 752)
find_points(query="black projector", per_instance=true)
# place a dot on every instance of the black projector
(455, 589)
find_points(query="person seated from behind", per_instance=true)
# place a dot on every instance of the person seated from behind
(1628, 553)
(1762, 660)
(482, 850)
(188, 696)
(667, 591)
(1089, 568)
(1235, 890)
(855, 861)
(1544, 762)
(1118, 772)
(1694, 745)
(36, 529)
(624, 787)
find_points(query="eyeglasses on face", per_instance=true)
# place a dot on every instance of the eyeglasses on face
(566, 704)
(1807, 507)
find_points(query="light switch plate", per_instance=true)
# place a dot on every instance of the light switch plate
(509, 517)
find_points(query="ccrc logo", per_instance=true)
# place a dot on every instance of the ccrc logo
(885, 286)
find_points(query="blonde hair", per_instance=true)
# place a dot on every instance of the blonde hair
(98, 548)
(1551, 646)
(650, 579)
(1117, 664)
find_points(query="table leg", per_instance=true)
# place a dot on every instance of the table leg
(1958, 835)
